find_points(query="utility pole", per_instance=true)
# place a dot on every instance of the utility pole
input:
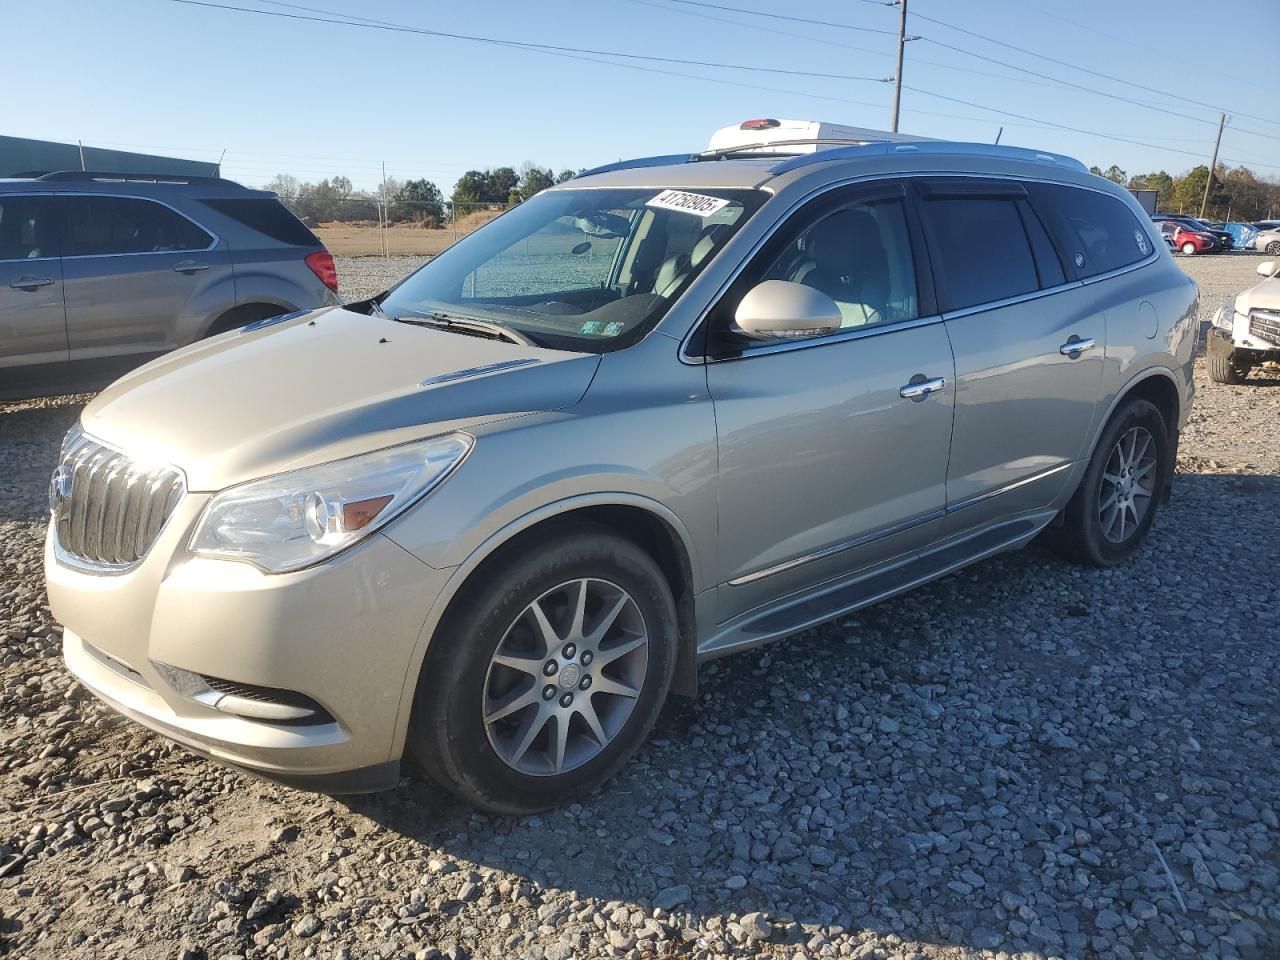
(1213, 164)
(897, 79)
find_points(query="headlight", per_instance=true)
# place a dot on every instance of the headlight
(1225, 317)
(294, 520)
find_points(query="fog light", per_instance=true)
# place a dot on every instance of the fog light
(244, 700)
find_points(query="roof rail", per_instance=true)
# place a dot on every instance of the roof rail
(932, 148)
(83, 176)
(759, 149)
(663, 161)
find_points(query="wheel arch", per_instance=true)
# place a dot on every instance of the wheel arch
(242, 313)
(1157, 385)
(651, 526)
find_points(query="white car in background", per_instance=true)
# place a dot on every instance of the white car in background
(1268, 241)
(1246, 329)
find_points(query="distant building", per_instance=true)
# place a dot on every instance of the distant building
(22, 157)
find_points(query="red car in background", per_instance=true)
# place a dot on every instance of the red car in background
(1188, 241)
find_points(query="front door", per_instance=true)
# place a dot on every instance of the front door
(135, 273)
(826, 467)
(33, 324)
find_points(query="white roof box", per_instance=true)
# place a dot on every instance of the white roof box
(768, 136)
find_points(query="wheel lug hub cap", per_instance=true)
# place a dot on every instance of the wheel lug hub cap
(570, 676)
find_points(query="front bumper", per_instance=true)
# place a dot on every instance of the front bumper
(341, 633)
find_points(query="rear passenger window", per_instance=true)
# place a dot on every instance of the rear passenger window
(1098, 233)
(27, 229)
(980, 250)
(266, 216)
(96, 226)
(1047, 263)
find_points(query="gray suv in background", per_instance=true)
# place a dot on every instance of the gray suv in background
(668, 410)
(101, 272)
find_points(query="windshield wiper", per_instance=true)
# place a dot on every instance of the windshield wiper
(446, 321)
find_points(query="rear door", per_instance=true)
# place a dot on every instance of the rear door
(33, 323)
(137, 273)
(1028, 345)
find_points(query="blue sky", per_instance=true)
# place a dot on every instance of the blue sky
(315, 99)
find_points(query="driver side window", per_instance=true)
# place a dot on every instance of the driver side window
(859, 255)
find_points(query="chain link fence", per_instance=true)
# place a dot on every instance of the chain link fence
(372, 226)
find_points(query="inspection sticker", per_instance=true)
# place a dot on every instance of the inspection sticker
(695, 203)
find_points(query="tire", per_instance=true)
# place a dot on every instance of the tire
(1221, 360)
(464, 684)
(1188, 249)
(1084, 536)
(1222, 369)
(242, 315)
(1273, 248)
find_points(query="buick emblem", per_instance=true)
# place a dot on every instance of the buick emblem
(59, 488)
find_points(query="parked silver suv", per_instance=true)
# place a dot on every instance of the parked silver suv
(102, 272)
(666, 411)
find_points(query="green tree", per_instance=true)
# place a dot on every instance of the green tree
(533, 180)
(564, 175)
(419, 201)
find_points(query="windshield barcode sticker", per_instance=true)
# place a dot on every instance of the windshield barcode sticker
(695, 203)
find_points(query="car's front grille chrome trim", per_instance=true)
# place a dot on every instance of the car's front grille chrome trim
(107, 509)
(1265, 325)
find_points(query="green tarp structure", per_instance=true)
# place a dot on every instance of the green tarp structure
(22, 157)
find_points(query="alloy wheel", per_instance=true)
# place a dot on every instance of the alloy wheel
(1128, 484)
(565, 677)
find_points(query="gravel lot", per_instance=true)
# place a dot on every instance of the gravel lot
(1026, 759)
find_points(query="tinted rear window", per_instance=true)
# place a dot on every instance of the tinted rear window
(980, 250)
(269, 217)
(1097, 232)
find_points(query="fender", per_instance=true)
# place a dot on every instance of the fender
(1146, 373)
(463, 571)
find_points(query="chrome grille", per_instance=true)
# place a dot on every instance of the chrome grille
(1265, 325)
(107, 510)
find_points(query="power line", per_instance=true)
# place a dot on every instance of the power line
(1067, 83)
(592, 56)
(1077, 67)
(527, 45)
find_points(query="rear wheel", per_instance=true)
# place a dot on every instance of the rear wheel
(1188, 248)
(1113, 508)
(1273, 247)
(548, 674)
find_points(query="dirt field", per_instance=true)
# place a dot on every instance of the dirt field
(1025, 760)
(365, 240)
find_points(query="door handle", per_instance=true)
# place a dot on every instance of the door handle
(922, 389)
(1076, 346)
(189, 266)
(31, 283)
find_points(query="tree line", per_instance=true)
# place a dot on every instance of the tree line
(1237, 192)
(413, 201)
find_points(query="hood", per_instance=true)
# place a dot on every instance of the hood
(1262, 296)
(320, 386)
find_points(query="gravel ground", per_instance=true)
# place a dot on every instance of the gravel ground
(1026, 759)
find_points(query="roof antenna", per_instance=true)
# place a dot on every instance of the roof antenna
(999, 133)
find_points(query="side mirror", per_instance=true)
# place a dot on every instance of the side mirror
(1267, 268)
(782, 310)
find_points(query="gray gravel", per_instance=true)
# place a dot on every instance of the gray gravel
(1026, 759)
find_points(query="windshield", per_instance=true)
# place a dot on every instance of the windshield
(585, 269)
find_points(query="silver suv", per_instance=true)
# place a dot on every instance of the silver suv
(101, 272)
(669, 410)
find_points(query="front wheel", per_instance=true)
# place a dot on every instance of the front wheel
(1273, 247)
(1113, 508)
(1222, 359)
(548, 673)
(1188, 248)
